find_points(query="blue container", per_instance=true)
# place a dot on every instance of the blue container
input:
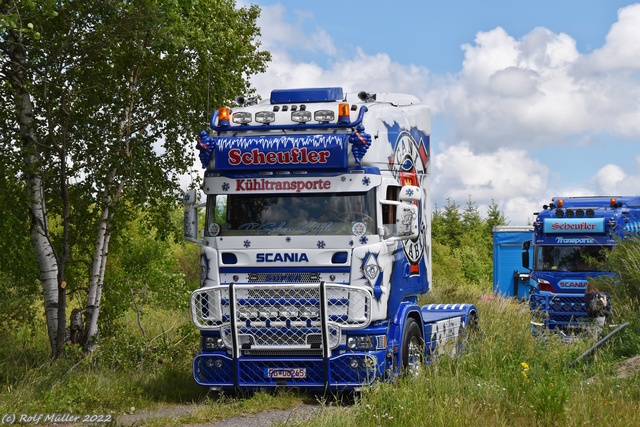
(510, 278)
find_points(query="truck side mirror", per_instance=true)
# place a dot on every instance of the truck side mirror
(190, 228)
(525, 253)
(407, 221)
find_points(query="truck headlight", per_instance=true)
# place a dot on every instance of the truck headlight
(213, 343)
(360, 343)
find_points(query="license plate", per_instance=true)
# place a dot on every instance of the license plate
(284, 373)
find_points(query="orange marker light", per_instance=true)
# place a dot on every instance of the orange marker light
(613, 202)
(224, 115)
(560, 203)
(344, 115)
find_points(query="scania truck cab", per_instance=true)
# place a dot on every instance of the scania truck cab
(316, 243)
(571, 237)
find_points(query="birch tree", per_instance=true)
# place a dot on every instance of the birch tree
(104, 102)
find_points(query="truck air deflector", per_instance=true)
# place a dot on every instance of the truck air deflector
(320, 94)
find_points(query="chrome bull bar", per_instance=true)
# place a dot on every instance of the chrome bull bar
(279, 318)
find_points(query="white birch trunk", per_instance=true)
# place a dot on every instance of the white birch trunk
(96, 282)
(98, 266)
(42, 246)
(46, 258)
(99, 263)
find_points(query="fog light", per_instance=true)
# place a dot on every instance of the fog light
(353, 363)
(324, 116)
(218, 363)
(301, 116)
(241, 117)
(265, 117)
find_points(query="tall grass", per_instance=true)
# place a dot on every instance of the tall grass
(127, 371)
(505, 377)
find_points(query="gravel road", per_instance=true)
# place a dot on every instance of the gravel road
(262, 419)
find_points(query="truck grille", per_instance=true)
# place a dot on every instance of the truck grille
(559, 310)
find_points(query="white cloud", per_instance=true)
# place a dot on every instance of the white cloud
(613, 180)
(622, 48)
(279, 36)
(371, 73)
(541, 90)
(513, 82)
(509, 177)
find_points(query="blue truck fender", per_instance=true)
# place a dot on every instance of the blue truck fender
(397, 325)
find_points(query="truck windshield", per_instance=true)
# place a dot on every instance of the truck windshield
(291, 214)
(569, 258)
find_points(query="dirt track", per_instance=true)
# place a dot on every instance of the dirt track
(261, 419)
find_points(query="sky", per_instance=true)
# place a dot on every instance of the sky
(529, 100)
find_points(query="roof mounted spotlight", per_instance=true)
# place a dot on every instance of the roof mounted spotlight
(366, 96)
(245, 102)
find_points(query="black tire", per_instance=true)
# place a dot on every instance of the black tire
(412, 348)
(467, 333)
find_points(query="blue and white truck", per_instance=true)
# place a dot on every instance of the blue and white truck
(316, 243)
(571, 236)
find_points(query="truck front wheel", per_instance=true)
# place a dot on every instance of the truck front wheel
(412, 348)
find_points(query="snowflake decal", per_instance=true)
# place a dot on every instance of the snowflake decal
(343, 178)
(288, 240)
(350, 242)
(321, 244)
(364, 240)
(409, 192)
(247, 243)
(225, 186)
(366, 181)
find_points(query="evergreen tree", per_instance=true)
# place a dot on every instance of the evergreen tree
(451, 225)
(463, 241)
(495, 217)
